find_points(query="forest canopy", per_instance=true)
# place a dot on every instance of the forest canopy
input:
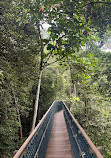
(66, 63)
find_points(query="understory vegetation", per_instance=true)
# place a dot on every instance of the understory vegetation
(66, 61)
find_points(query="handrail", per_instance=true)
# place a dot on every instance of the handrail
(23, 147)
(75, 138)
(26, 144)
(92, 146)
(42, 138)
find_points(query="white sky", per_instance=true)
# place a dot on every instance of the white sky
(45, 26)
(107, 47)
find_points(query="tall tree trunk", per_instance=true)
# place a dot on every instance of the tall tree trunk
(18, 116)
(73, 84)
(36, 102)
(40, 75)
(75, 91)
(85, 108)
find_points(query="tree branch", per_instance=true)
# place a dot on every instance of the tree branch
(50, 53)
(41, 44)
(54, 62)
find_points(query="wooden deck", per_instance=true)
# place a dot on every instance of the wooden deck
(59, 144)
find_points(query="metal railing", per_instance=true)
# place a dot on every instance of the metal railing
(36, 144)
(82, 146)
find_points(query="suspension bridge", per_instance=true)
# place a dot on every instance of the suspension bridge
(58, 135)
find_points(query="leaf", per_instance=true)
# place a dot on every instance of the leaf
(46, 41)
(74, 98)
(54, 37)
(50, 46)
(82, 43)
(59, 41)
(42, 8)
(55, 6)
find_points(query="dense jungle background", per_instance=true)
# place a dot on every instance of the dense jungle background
(70, 43)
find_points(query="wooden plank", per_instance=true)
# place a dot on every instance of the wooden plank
(59, 144)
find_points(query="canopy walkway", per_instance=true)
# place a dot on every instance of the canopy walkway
(58, 135)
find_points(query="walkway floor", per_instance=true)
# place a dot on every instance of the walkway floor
(59, 145)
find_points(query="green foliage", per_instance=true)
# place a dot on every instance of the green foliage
(72, 99)
(48, 91)
(75, 27)
(17, 76)
(93, 110)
